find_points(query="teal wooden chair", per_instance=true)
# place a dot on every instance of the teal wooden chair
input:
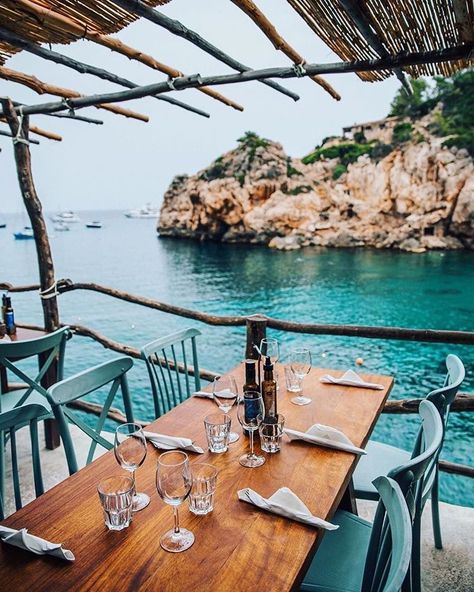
(415, 479)
(382, 458)
(48, 349)
(364, 557)
(171, 384)
(9, 423)
(63, 393)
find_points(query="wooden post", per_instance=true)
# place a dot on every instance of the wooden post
(256, 331)
(19, 129)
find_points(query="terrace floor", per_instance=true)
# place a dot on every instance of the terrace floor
(448, 570)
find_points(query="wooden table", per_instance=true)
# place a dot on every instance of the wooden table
(237, 547)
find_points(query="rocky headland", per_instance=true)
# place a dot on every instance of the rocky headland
(386, 184)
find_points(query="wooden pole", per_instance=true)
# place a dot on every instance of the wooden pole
(20, 129)
(49, 18)
(177, 28)
(40, 87)
(196, 81)
(269, 30)
(8, 135)
(256, 331)
(84, 68)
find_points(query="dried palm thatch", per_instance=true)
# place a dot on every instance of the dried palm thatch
(402, 26)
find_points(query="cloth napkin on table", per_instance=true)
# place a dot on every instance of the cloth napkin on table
(351, 378)
(23, 540)
(171, 442)
(325, 436)
(223, 394)
(284, 503)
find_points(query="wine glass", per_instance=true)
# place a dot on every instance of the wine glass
(173, 483)
(224, 391)
(300, 363)
(250, 412)
(130, 452)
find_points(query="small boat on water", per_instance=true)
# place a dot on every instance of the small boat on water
(146, 211)
(25, 234)
(3, 225)
(94, 224)
(68, 217)
(61, 227)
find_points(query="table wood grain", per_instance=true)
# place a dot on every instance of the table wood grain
(238, 547)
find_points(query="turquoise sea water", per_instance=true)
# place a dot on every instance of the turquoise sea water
(432, 290)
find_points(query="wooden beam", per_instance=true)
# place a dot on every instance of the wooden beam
(8, 135)
(462, 402)
(266, 26)
(41, 87)
(84, 68)
(356, 13)
(35, 212)
(463, 21)
(177, 28)
(462, 52)
(77, 118)
(49, 18)
(39, 131)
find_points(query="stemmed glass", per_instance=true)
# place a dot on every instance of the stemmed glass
(224, 391)
(300, 363)
(250, 413)
(173, 483)
(130, 452)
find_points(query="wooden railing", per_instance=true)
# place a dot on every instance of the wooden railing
(256, 329)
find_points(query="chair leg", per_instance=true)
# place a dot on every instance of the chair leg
(435, 512)
(416, 556)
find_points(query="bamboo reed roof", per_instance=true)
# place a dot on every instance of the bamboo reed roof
(402, 26)
(101, 16)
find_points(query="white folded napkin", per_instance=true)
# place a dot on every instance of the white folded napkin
(325, 436)
(171, 442)
(23, 540)
(223, 394)
(351, 378)
(284, 503)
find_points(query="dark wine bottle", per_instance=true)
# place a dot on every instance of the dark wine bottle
(4, 306)
(9, 317)
(252, 389)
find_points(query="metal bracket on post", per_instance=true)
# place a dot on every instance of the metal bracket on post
(256, 331)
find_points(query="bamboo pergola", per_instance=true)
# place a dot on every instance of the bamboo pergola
(373, 38)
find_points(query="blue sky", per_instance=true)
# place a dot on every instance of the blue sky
(125, 163)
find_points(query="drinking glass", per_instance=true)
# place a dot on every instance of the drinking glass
(270, 347)
(217, 426)
(271, 433)
(130, 452)
(224, 391)
(116, 497)
(250, 412)
(300, 364)
(173, 483)
(293, 383)
(201, 498)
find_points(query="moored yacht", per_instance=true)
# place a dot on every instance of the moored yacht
(146, 211)
(68, 217)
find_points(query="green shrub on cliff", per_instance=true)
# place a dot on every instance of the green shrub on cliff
(402, 133)
(347, 153)
(339, 170)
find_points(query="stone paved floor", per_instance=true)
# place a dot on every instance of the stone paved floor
(448, 570)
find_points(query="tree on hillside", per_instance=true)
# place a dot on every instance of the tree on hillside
(405, 105)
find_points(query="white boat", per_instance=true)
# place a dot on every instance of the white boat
(66, 217)
(146, 211)
(61, 227)
(94, 224)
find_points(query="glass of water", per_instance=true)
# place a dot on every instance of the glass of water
(130, 452)
(217, 427)
(201, 498)
(271, 433)
(224, 391)
(116, 497)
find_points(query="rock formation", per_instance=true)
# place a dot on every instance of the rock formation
(412, 195)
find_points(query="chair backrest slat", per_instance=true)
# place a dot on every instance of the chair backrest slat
(167, 361)
(10, 422)
(389, 552)
(62, 393)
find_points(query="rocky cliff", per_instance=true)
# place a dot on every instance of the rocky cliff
(412, 194)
